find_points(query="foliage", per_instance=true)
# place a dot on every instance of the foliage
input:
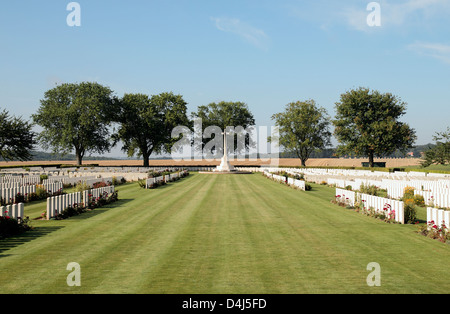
(20, 198)
(367, 124)
(81, 186)
(116, 181)
(12, 227)
(142, 183)
(387, 214)
(419, 200)
(100, 184)
(434, 231)
(410, 211)
(219, 117)
(71, 211)
(75, 117)
(17, 139)
(304, 128)
(43, 177)
(408, 192)
(146, 123)
(440, 153)
(369, 189)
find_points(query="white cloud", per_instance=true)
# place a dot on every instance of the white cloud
(435, 50)
(248, 33)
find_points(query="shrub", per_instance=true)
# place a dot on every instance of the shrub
(434, 231)
(410, 211)
(81, 186)
(115, 181)
(43, 177)
(100, 184)
(142, 183)
(369, 189)
(20, 198)
(11, 227)
(41, 193)
(408, 193)
(308, 187)
(419, 200)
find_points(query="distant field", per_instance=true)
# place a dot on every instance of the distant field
(291, 162)
(222, 234)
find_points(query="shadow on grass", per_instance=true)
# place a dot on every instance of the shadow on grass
(99, 210)
(9, 243)
(171, 183)
(36, 232)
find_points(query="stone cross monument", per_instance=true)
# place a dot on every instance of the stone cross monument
(225, 164)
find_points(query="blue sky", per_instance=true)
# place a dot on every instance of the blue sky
(264, 53)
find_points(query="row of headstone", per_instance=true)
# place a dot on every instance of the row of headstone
(22, 180)
(9, 196)
(15, 211)
(52, 188)
(275, 177)
(435, 199)
(57, 204)
(95, 193)
(438, 217)
(346, 196)
(297, 183)
(9, 185)
(301, 184)
(381, 204)
(150, 182)
(66, 179)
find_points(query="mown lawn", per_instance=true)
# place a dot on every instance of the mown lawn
(222, 234)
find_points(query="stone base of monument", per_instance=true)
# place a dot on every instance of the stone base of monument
(226, 172)
(226, 168)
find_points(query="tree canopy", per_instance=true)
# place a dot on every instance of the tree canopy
(225, 115)
(17, 140)
(303, 128)
(367, 124)
(76, 117)
(440, 153)
(146, 123)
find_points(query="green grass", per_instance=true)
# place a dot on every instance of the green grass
(222, 234)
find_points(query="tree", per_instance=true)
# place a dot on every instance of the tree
(439, 153)
(303, 128)
(146, 123)
(224, 115)
(367, 124)
(16, 138)
(76, 117)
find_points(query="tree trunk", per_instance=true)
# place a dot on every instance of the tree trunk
(79, 153)
(371, 163)
(303, 162)
(146, 157)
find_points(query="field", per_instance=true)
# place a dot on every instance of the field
(289, 162)
(221, 234)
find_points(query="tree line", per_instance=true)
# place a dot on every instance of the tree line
(88, 118)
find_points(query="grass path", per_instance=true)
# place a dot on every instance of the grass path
(222, 234)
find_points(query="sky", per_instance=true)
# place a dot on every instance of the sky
(264, 53)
